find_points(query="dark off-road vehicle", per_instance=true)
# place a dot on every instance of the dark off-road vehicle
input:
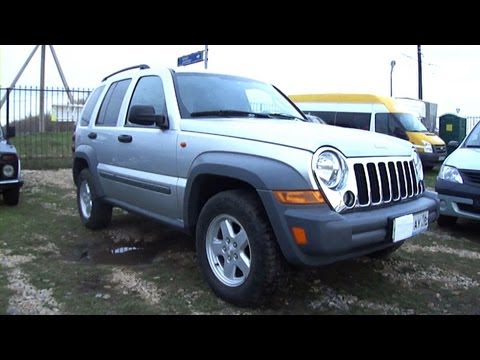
(10, 180)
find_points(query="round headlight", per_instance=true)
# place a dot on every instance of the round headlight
(8, 171)
(329, 169)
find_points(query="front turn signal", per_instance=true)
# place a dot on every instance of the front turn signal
(307, 197)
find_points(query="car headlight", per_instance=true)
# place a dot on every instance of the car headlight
(450, 173)
(427, 147)
(8, 171)
(418, 166)
(330, 169)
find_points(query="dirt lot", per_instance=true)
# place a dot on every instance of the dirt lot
(51, 264)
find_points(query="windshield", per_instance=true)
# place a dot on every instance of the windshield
(214, 95)
(1, 132)
(473, 139)
(410, 122)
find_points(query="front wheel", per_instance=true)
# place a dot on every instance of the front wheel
(93, 212)
(237, 250)
(11, 196)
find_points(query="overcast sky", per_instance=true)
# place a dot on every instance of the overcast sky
(451, 74)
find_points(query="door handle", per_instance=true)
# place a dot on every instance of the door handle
(125, 138)
(92, 135)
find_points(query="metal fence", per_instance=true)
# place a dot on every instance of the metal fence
(44, 120)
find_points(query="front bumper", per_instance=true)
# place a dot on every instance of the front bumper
(333, 237)
(11, 184)
(432, 159)
(458, 200)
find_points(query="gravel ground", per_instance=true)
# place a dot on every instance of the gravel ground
(29, 300)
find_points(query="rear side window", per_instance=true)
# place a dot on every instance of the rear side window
(90, 105)
(108, 114)
(353, 120)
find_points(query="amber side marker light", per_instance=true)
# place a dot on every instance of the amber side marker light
(307, 197)
(9, 157)
(299, 235)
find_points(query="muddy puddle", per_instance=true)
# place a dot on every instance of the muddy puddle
(122, 253)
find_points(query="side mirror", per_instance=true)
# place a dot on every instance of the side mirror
(453, 144)
(10, 132)
(145, 115)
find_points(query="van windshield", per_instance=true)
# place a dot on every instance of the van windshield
(214, 95)
(410, 122)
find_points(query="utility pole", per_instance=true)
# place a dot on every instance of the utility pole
(41, 125)
(420, 86)
(392, 64)
(42, 91)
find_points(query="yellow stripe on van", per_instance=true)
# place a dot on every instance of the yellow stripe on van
(346, 98)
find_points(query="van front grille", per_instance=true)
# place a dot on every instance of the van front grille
(381, 182)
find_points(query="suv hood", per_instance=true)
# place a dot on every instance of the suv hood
(465, 159)
(6, 148)
(302, 135)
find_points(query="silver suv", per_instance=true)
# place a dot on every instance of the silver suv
(234, 162)
(10, 175)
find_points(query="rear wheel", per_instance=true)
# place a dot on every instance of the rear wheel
(11, 196)
(93, 212)
(446, 221)
(237, 250)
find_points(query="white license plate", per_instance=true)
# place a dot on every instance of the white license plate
(441, 158)
(409, 225)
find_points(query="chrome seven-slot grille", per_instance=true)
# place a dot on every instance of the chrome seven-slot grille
(381, 182)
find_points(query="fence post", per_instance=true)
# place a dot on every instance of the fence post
(8, 107)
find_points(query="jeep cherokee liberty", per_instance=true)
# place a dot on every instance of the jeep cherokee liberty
(235, 163)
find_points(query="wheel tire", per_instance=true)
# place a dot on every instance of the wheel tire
(11, 197)
(385, 253)
(94, 213)
(237, 213)
(446, 221)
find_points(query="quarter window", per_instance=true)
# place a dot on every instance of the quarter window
(90, 105)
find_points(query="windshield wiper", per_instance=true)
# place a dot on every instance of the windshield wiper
(472, 146)
(285, 116)
(228, 113)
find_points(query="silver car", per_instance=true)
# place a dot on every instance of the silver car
(458, 182)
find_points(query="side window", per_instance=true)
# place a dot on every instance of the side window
(108, 114)
(327, 116)
(353, 120)
(148, 92)
(388, 124)
(381, 123)
(90, 105)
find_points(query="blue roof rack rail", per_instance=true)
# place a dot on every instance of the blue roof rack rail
(141, 67)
